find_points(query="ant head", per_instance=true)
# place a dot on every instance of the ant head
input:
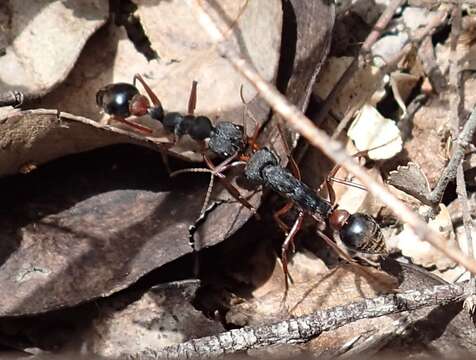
(338, 219)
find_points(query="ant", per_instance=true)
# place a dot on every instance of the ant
(358, 231)
(229, 142)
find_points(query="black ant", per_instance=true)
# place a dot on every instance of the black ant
(358, 231)
(230, 143)
(227, 140)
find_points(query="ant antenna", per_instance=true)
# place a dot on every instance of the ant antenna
(210, 184)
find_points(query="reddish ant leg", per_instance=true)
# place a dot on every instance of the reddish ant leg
(289, 242)
(331, 178)
(192, 100)
(218, 171)
(132, 124)
(155, 100)
(277, 216)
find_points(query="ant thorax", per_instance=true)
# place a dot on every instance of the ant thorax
(227, 139)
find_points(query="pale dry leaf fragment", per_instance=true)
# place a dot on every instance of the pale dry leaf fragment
(421, 252)
(361, 87)
(402, 85)
(255, 31)
(370, 130)
(411, 180)
(45, 40)
(355, 199)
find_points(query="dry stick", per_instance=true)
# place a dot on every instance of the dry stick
(318, 138)
(449, 173)
(304, 328)
(456, 86)
(378, 28)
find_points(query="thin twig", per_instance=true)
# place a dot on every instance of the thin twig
(301, 329)
(377, 29)
(456, 88)
(318, 138)
(449, 173)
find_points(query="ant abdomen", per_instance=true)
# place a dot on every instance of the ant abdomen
(362, 233)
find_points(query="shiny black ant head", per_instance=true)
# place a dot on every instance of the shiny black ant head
(122, 100)
(257, 163)
(361, 232)
(227, 139)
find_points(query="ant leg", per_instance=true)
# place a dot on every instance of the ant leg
(218, 171)
(382, 282)
(210, 184)
(331, 178)
(132, 124)
(192, 100)
(289, 242)
(277, 216)
(155, 100)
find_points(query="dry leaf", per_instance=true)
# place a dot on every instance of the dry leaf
(402, 85)
(421, 252)
(161, 317)
(319, 291)
(34, 137)
(361, 87)
(410, 179)
(425, 146)
(370, 130)
(45, 39)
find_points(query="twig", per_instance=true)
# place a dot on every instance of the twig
(318, 138)
(304, 328)
(377, 29)
(449, 173)
(456, 88)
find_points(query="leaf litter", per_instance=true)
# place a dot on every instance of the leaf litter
(64, 245)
